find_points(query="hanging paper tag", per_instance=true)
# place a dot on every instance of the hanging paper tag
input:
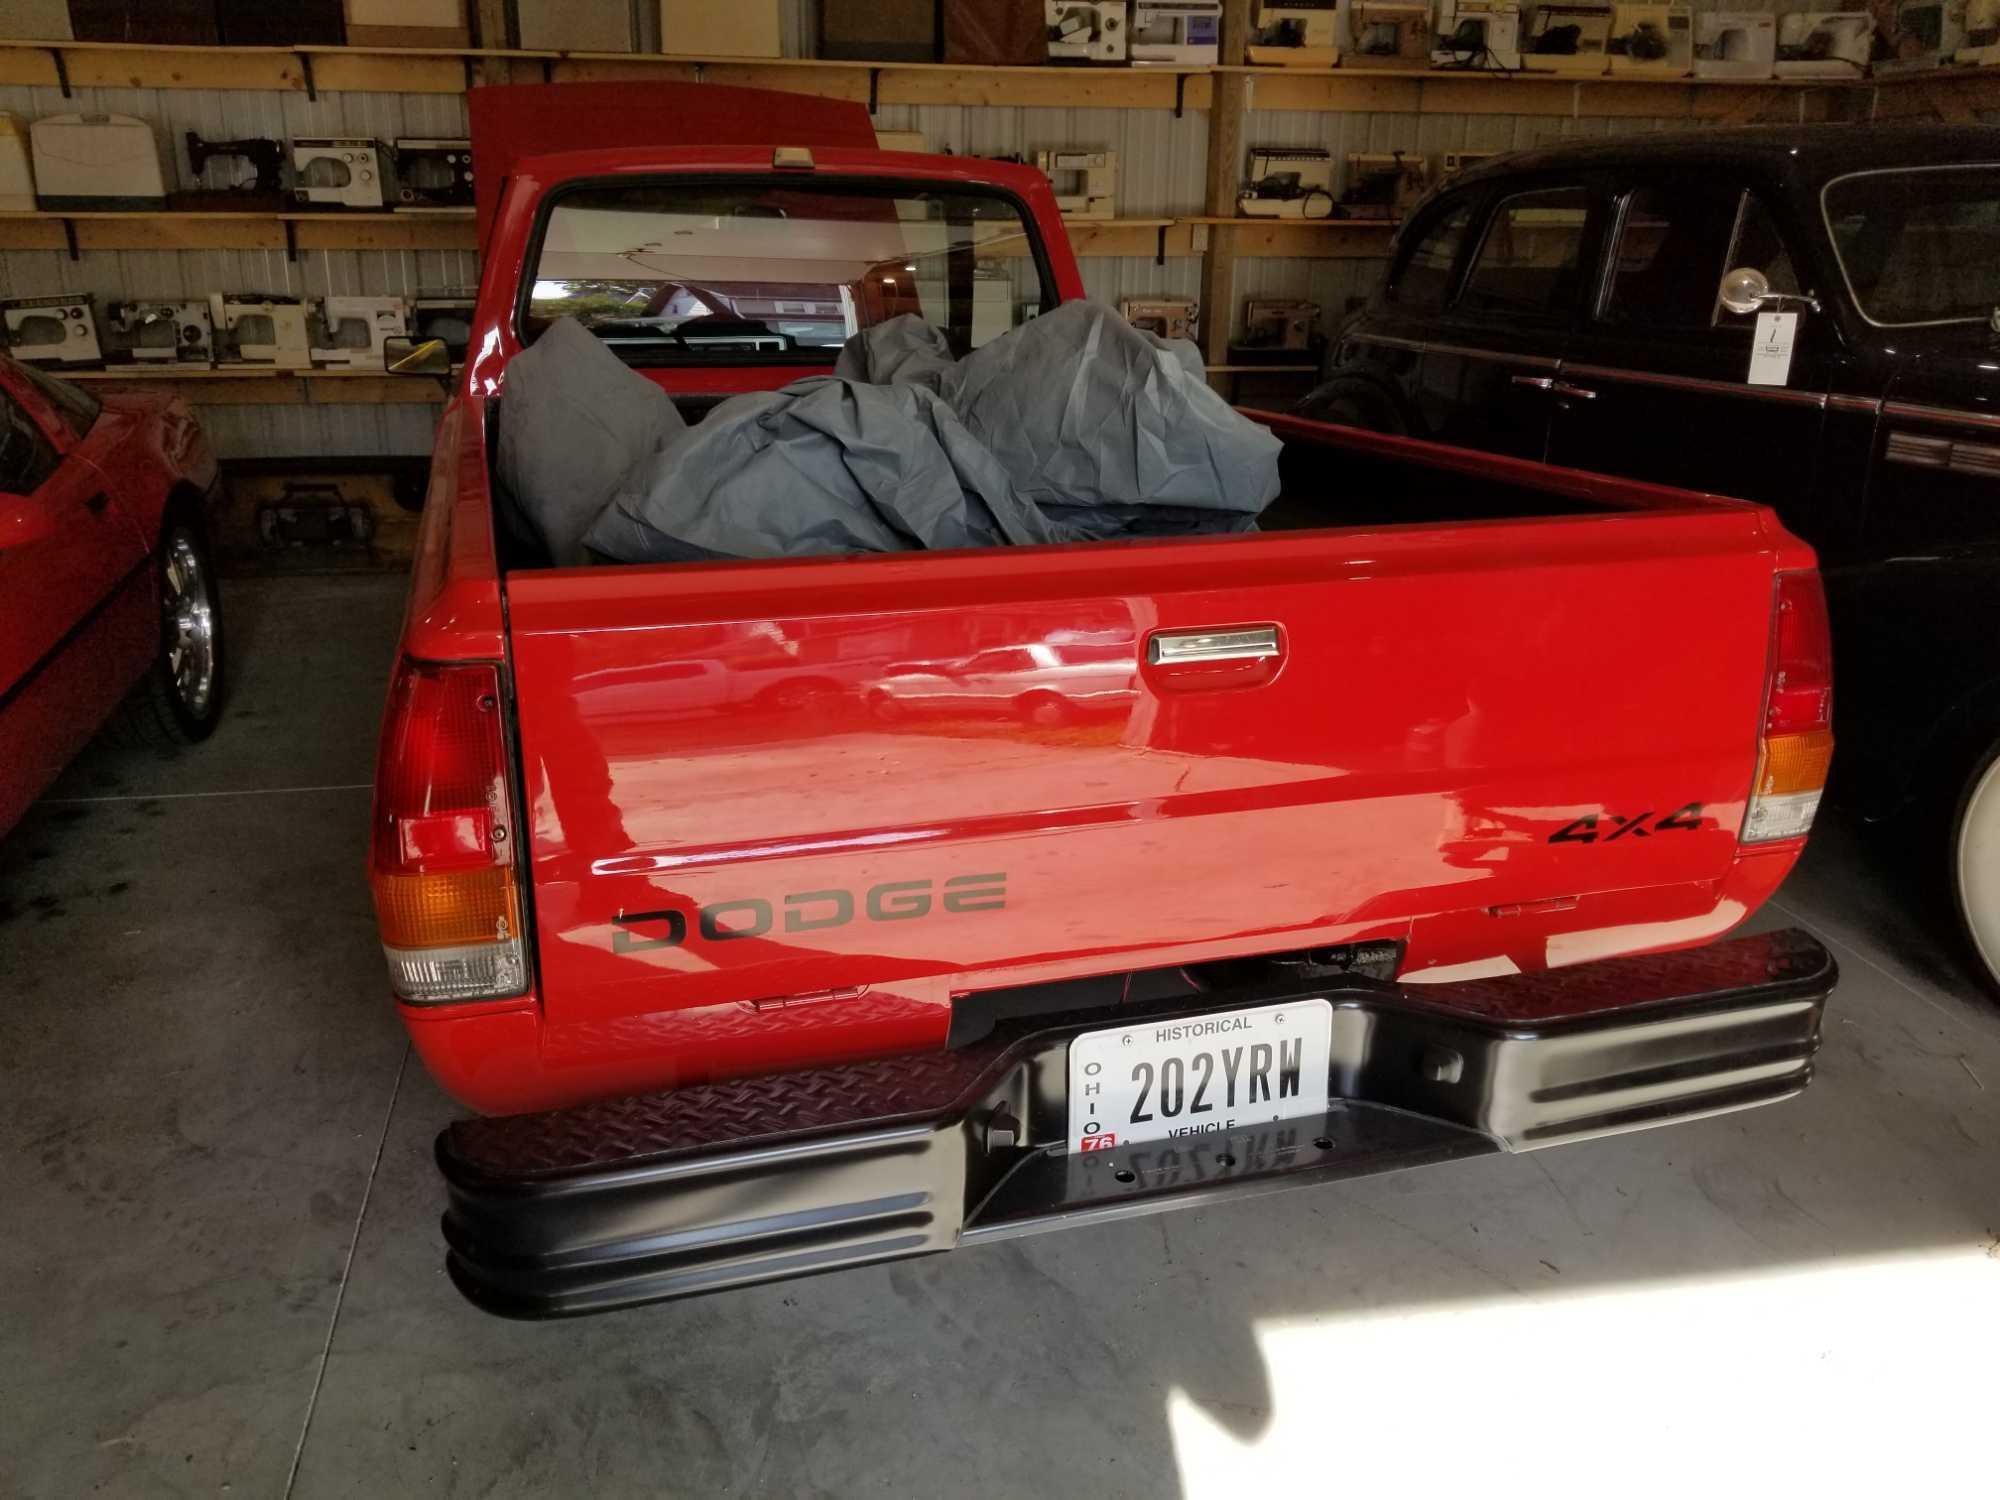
(1771, 348)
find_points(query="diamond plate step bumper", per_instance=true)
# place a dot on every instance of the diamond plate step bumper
(717, 1185)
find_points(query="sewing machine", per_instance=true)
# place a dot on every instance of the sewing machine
(1735, 44)
(1166, 317)
(1389, 34)
(161, 333)
(1177, 33)
(337, 171)
(56, 332)
(1092, 32)
(1825, 44)
(1087, 187)
(1568, 38)
(1288, 182)
(1651, 40)
(1478, 36)
(1299, 35)
(347, 332)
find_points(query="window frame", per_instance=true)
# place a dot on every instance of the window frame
(1623, 191)
(1840, 262)
(1628, 185)
(1590, 247)
(1434, 216)
(67, 401)
(863, 187)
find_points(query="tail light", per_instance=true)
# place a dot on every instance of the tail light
(1796, 745)
(442, 863)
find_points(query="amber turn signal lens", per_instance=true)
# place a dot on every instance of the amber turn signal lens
(447, 908)
(1795, 763)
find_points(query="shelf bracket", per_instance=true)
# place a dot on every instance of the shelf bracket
(1160, 245)
(291, 240)
(548, 70)
(1180, 101)
(874, 90)
(306, 75)
(69, 234)
(61, 60)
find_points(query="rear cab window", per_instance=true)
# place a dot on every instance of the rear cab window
(762, 271)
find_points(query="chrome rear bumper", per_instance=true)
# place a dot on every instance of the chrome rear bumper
(717, 1185)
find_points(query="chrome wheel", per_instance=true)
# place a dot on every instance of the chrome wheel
(189, 602)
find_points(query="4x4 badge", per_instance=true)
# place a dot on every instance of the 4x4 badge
(1605, 828)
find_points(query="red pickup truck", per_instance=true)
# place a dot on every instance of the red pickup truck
(790, 914)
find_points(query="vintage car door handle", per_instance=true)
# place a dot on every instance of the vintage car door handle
(1175, 648)
(1556, 387)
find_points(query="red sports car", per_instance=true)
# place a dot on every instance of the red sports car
(107, 593)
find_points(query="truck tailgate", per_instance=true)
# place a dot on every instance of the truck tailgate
(876, 783)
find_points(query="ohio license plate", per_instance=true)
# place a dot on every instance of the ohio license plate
(1155, 1080)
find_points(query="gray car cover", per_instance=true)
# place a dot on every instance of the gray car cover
(1073, 427)
(823, 466)
(573, 422)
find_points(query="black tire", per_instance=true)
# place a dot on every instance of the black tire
(179, 700)
(1048, 710)
(1972, 864)
(1353, 406)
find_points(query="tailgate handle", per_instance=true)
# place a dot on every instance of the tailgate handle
(1173, 648)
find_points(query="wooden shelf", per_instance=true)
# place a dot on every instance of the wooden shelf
(427, 229)
(310, 69)
(49, 229)
(1307, 239)
(270, 387)
(1954, 95)
(1444, 91)
(414, 70)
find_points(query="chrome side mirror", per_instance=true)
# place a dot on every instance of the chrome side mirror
(1744, 290)
(1747, 290)
(403, 356)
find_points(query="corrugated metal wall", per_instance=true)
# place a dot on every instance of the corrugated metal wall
(1162, 171)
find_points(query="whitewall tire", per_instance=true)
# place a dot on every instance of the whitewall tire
(1975, 863)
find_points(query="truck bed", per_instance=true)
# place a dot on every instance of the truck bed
(813, 809)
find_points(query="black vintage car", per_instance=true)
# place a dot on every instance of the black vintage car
(1598, 306)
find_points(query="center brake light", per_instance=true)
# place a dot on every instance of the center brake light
(1795, 745)
(441, 861)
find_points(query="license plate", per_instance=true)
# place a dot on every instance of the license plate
(1157, 1080)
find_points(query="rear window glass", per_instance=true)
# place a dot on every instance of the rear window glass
(1528, 263)
(76, 407)
(764, 271)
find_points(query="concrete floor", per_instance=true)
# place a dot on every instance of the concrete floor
(220, 1266)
